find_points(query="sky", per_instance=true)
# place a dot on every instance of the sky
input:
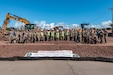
(70, 13)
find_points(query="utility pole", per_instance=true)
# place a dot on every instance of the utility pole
(112, 20)
(82, 26)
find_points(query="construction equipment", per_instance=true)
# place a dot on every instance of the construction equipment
(14, 17)
(58, 28)
(30, 26)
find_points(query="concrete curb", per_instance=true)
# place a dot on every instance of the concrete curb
(16, 58)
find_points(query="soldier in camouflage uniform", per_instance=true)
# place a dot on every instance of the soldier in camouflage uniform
(24, 37)
(12, 36)
(57, 35)
(30, 36)
(27, 36)
(41, 36)
(85, 36)
(48, 35)
(17, 36)
(38, 35)
(70, 35)
(75, 35)
(101, 36)
(105, 34)
(88, 37)
(78, 36)
(95, 37)
(45, 35)
(52, 35)
(62, 35)
(34, 37)
(67, 34)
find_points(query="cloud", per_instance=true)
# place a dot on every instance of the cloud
(45, 25)
(52, 25)
(18, 24)
(60, 24)
(92, 26)
(75, 25)
(106, 23)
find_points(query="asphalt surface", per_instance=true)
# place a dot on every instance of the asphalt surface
(55, 67)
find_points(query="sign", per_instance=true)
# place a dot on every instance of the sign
(58, 53)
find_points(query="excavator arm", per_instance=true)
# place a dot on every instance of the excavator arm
(14, 17)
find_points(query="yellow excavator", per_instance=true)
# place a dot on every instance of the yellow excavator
(14, 17)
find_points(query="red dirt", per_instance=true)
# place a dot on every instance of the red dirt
(84, 50)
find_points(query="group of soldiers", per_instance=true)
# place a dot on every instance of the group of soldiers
(95, 36)
(30, 36)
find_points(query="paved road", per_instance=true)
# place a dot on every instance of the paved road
(55, 67)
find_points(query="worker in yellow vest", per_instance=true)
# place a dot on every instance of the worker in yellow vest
(57, 35)
(62, 35)
(48, 35)
(67, 34)
(52, 35)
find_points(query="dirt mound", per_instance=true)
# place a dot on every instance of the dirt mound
(11, 50)
(84, 50)
(2, 37)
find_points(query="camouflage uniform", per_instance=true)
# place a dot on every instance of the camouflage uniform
(78, 36)
(22, 28)
(21, 37)
(57, 35)
(38, 36)
(95, 37)
(30, 36)
(45, 35)
(67, 35)
(62, 35)
(24, 37)
(34, 37)
(52, 35)
(72, 35)
(85, 37)
(17, 36)
(41, 36)
(48, 35)
(88, 37)
(75, 35)
(27, 36)
(105, 36)
(101, 36)
(11, 37)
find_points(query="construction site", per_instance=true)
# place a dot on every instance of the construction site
(11, 46)
(56, 37)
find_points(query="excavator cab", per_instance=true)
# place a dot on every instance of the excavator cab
(29, 26)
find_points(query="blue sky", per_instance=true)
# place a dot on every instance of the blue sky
(53, 12)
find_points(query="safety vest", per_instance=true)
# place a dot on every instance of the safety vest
(67, 33)
(48, 33)
(57, 34)
(41, 34)
(62, 33)
(52, 33)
